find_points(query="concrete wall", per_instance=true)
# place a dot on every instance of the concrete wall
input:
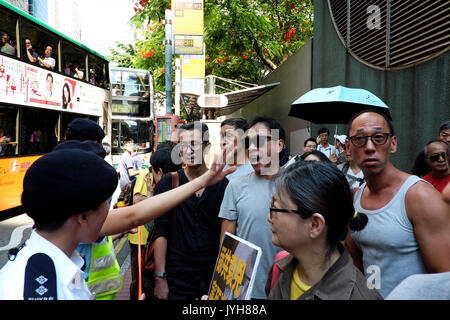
(294, 76)
(418, 97)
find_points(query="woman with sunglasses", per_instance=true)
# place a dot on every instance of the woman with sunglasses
(436, 155)
(310, 214)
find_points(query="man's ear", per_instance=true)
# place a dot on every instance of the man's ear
(393, 146)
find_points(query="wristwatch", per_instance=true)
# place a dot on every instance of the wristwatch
(159, 274)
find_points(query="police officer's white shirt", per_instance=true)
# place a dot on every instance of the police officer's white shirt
(70, 281)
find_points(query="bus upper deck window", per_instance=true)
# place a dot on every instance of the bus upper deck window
(8, 33)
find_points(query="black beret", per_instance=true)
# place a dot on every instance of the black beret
(67, 182)
(87, 145)
(87, 127)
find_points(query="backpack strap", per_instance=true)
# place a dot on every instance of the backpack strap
(40, 278)
(276, 268)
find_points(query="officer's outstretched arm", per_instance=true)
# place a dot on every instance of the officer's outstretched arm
(123, 219)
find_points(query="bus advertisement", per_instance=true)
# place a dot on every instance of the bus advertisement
(46, 80)
(35, 87)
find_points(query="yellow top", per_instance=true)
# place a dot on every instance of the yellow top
(297, 286)
(141, 187)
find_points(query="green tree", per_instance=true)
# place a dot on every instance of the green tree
(244, 39)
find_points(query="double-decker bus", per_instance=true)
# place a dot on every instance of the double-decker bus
(132, 111)
(46, 80)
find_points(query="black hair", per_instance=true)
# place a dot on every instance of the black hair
(127, 140)
(64, 101)
(320, 155)
(309, 139)
(386, 117)
(444, 126)
(425, 150)
(195, 125)
(237, 123)
(316, 187)
(166, 145)
(271, 123)
(323, 130)
(161, 159)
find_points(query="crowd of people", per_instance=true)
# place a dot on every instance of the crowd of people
(347, 223)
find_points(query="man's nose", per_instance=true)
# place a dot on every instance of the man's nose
(370, 146)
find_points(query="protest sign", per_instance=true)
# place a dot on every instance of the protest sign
(235, 269)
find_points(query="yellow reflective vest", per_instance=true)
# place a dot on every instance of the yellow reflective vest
(104, 273)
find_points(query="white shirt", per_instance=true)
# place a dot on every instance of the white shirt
(328, 150)
(50, 61)
(70, 281)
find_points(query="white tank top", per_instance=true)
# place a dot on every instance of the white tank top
(390, 249)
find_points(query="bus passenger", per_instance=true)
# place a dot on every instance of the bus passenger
(48, 61)
(6, 47)
(78, 73)
(32, 54)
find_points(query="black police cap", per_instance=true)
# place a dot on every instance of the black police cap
(88, 128)
(87, 145)
(66, 182)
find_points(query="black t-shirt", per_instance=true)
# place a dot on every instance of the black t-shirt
(193, 237)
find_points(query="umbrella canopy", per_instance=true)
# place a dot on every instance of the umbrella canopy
(335, 105)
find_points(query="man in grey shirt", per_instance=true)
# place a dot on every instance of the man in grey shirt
(126, 164)
(245, 205)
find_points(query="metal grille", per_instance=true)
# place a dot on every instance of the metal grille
(392, 34)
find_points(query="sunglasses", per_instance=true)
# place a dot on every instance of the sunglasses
(257, 141)
(273, 209)
(435, 157)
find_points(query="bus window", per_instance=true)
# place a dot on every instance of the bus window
(67, 118)
(116, 80)
(98, 72)
(39, 131)
(8, 33)
(8, 137)
(74, 61)
(138, 130)
(44, 43)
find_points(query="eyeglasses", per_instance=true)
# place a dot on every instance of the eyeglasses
(257, 141)
(378, 139)
(435, 157)
(194, 145)
(273, 209)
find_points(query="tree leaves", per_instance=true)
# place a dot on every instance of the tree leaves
(245, 39)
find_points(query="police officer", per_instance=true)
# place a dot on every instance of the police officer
(65, 193)
(101, 268)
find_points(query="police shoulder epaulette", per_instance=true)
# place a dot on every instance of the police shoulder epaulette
(40, 278)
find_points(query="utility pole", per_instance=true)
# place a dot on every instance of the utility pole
(177, 85)
(168, 44)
